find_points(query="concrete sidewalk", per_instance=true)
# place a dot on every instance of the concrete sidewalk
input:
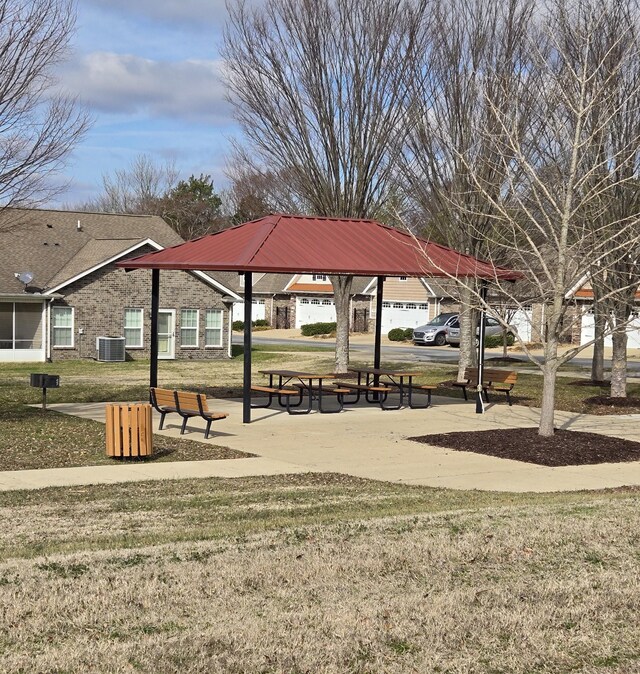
(361, 441)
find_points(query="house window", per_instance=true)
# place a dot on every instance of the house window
(398, 305)
(315, 301)
(213, 328)
(386, 305)
(62, 327)
(424, 307)
(319, 277)
(133, 328)
(304, 300)
(327, 302)
(189, 328)
(402, 278)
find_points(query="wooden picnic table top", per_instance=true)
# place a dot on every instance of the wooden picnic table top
(388, 373)
(300, 375)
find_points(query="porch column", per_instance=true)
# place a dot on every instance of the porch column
(155, 304)
(246, 378)
(483, 313)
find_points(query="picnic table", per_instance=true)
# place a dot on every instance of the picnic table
(402, 380)
(310, 384)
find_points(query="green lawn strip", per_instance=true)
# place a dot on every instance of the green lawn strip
(58, 520)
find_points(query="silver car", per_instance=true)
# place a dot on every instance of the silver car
(491, 327)
(435, 331)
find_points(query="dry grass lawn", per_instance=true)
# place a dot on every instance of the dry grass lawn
(318, 574)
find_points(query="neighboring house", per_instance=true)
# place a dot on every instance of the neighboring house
(287, 301)
(584, 327)
(75, 295)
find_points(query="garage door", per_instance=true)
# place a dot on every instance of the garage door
(257, 311)
(314, 310)
(521, 320)
(403, 315)
(588, 332)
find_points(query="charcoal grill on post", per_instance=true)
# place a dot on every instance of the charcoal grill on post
(45, 381)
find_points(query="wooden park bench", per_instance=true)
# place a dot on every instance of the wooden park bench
(501, 381)
(185, 403)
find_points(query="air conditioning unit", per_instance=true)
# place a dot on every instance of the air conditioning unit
(110, 349)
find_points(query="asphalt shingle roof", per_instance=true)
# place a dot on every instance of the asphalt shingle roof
(49, 243)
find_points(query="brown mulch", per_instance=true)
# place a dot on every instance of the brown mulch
(564, 448)
(630, 405)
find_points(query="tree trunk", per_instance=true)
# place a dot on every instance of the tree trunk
(342, 296)
(619, 363)
(505, 353)
(549, 375)
(597, 363)
(468, 356)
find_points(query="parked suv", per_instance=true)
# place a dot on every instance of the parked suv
(491, 327)
(435, 331)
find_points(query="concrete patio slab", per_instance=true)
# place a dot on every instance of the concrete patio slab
(366, 442)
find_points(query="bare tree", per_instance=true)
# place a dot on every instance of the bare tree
(139, 188)
(320, 88)
(473, 58)
(555, 183)
(38, 127)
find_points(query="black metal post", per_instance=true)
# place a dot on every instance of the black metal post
(246, 380)
(155, 305)
(484, 289)
(378, 337)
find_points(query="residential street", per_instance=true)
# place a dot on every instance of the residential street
(362, 345)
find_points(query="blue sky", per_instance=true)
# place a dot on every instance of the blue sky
(148, 71)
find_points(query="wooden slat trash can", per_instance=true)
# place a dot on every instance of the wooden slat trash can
(129, 430)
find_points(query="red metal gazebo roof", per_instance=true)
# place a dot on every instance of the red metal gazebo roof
(299, 244)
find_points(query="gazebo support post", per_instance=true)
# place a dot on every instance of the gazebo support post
(155, 305)
(246, 379)
(378, 335)
(484, 289)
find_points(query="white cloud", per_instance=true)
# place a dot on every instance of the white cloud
(128, 84)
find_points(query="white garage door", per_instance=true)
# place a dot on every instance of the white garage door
(314, 310)
(403, 315)
(588, 331)
(257, 311)
(522, 321)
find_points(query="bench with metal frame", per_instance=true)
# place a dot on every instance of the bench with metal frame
(186, 404)
(501, 381)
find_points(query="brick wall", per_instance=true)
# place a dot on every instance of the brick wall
(100, 298)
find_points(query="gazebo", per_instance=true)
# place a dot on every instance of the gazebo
(307, 244)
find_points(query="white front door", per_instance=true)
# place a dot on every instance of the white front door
(167, 334)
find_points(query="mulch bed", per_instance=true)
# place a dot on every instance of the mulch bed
(564, 448)
(630, 405)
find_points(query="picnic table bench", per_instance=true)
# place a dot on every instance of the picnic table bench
(501, 381)
(185, 403)
(272, 391)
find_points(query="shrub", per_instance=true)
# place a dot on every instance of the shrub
(238, 326)
(496, 340)
(311, 329)
(408, 334)
(396, 335)
(261, 323)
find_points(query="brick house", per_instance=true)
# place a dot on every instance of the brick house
(61, 295)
